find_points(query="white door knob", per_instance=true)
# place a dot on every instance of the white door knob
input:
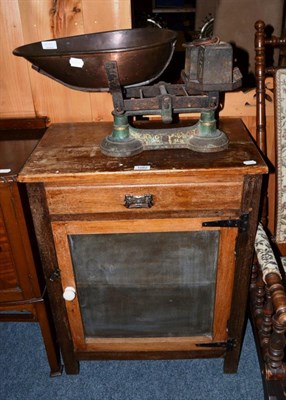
(69, 293)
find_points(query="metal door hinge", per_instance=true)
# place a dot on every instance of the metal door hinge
(55, 275)
(241, 222)
(228, 345)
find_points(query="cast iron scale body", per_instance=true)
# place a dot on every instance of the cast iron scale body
(125, 62)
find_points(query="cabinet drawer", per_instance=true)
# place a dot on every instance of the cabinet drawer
(106, 199)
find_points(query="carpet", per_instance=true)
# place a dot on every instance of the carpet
(24, 374)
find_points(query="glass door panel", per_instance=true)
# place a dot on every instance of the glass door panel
(155, 284)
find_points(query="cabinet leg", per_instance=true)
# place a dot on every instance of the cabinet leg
(231, 361)
(49, 337)
(71, 365)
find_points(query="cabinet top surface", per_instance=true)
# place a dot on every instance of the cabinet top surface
(69, 152)
(15, 148)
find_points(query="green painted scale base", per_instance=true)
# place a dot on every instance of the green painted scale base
(126, 141)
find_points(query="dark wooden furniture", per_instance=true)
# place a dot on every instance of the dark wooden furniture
(267, 293)
(151, 253)
(22, 296)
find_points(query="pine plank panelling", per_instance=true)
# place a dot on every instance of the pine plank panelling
(99, 16)
(47, 19)
(106, 15)
(16, 99)
(66, 18)
(24, 92)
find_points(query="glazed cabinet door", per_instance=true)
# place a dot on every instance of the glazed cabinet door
(146, 284)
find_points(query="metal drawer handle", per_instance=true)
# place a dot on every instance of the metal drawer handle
(141, 201)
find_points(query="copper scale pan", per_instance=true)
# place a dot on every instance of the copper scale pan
(78, 61)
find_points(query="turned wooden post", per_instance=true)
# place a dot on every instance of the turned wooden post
(275, 352)
(278, 296)
(260, 85)
(259, 297)
(276, 346)
(267, 324)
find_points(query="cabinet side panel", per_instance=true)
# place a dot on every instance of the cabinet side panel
(36, 193)
(244, 255)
